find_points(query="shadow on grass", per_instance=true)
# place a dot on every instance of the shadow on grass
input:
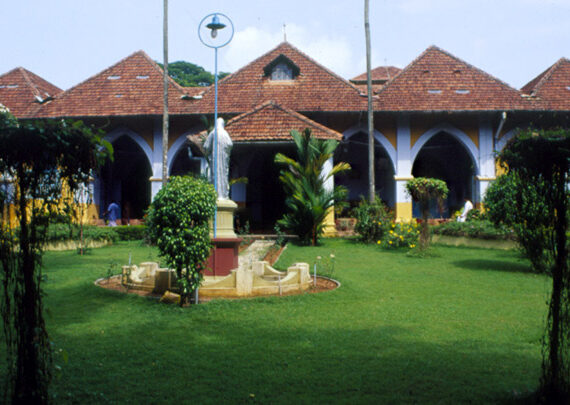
(276, 361)
(493, 265)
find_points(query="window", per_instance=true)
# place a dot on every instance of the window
(282, 71)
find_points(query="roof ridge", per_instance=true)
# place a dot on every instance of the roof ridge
(161, 71)
(35, 91)
(330, 72)
(450, 55)
(546, 75)
(281, 44)
(295, 114)
(66, 93)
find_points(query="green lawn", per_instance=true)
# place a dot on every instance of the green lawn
(464, 327)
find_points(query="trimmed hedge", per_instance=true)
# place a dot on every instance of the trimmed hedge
(132, 232)
(482, 229)
(65, 232)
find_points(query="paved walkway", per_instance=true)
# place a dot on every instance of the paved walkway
(255, 252)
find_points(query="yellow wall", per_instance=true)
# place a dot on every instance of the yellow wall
(419, 125)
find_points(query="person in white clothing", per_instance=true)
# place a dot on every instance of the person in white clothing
(466, 208)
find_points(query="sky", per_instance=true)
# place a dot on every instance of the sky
(68, 41)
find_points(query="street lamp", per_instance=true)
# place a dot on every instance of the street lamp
(219, 37)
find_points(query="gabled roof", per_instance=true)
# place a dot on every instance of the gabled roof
(21, 91)
(380, 74)
(552, 87)
(439, 81)
(314, 89)
(133, 86)
(272, 122)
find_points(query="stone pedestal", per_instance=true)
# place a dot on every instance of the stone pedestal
(224, 219)
(224, 256)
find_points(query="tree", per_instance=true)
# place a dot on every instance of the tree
(308, 200)
(423, 190)
(521, 205)
(39, 160)
(542, 158)
(178, 222)
(188, 74)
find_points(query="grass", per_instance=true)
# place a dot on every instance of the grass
(462, 327)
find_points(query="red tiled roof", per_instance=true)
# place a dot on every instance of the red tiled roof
(272, 122)
(314, 89)
(438, 81)
(379, 74)
(22, 90)
(133, 86)
(552, 87)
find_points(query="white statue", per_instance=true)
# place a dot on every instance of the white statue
(222, 159)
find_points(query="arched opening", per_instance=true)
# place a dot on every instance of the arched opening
(355, 152)
(185, 162)
(265, 197)
(444, 157)
(126, 180)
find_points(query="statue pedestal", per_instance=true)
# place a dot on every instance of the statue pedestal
(224, 256)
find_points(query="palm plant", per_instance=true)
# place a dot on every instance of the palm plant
(308, 200)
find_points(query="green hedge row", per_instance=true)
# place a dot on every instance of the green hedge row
(64, 232)
(482, 229)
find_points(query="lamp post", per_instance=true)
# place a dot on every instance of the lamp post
(218, 38)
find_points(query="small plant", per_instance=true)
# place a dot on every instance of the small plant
(400, 235)
(325, 265)
(423, 190)
(372, 220)
(111, 270)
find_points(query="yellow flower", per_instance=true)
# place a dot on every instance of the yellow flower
(390, 242)
(379, 242)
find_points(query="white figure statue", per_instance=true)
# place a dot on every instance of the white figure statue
(223, 158)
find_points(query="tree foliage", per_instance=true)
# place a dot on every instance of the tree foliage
(308, 200)
(541, 160)
(423, 190)
(39, 161)
(188, 74)
(522, 205)
(178, 222)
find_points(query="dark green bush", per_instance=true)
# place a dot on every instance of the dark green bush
(483, 229)
(132, 232)
(64, 232)
(372, 220)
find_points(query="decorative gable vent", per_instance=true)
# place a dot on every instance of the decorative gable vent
(281, 68)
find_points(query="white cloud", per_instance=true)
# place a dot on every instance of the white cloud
(333, 52)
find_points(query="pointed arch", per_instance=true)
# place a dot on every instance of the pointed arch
(458, 134)
(139, 140)
(502, 141)
(378, 136)
(178, 144)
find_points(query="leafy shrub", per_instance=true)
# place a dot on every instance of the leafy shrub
(401, 234)
(523, 205)
(372, 220)
(64, 232)
(483, 229)
(133, 232)
(178, 224)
